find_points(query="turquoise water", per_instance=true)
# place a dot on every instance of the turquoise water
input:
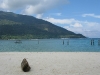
(50, 45)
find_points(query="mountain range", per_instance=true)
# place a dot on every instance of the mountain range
(17, 26)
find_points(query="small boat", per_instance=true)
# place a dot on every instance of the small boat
(18, 41)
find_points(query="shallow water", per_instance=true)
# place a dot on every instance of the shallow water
(50, 45)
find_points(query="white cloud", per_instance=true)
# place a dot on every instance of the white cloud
(16, 4)
(60, 21)
(89, 29)
(31, 6)
(77, 25)
(91, 15)
(39, 16)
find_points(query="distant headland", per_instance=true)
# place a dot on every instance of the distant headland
(17, 26)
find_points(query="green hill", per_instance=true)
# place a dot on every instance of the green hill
(17, 26)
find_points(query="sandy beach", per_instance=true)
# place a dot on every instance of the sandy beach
(51, 63)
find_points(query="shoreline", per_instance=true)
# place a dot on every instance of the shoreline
(51, 63)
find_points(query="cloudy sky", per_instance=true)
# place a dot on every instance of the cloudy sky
(79, 16)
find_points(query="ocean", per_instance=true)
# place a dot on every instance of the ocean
(51, 45)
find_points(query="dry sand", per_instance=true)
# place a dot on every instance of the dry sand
(51, 63)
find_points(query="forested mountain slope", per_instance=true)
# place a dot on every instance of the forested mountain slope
(17, 26)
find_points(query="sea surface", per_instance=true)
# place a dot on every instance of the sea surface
(51, 45)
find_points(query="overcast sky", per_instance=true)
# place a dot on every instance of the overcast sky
(79, 16)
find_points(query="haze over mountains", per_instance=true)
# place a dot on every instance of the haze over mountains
(17, 26)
